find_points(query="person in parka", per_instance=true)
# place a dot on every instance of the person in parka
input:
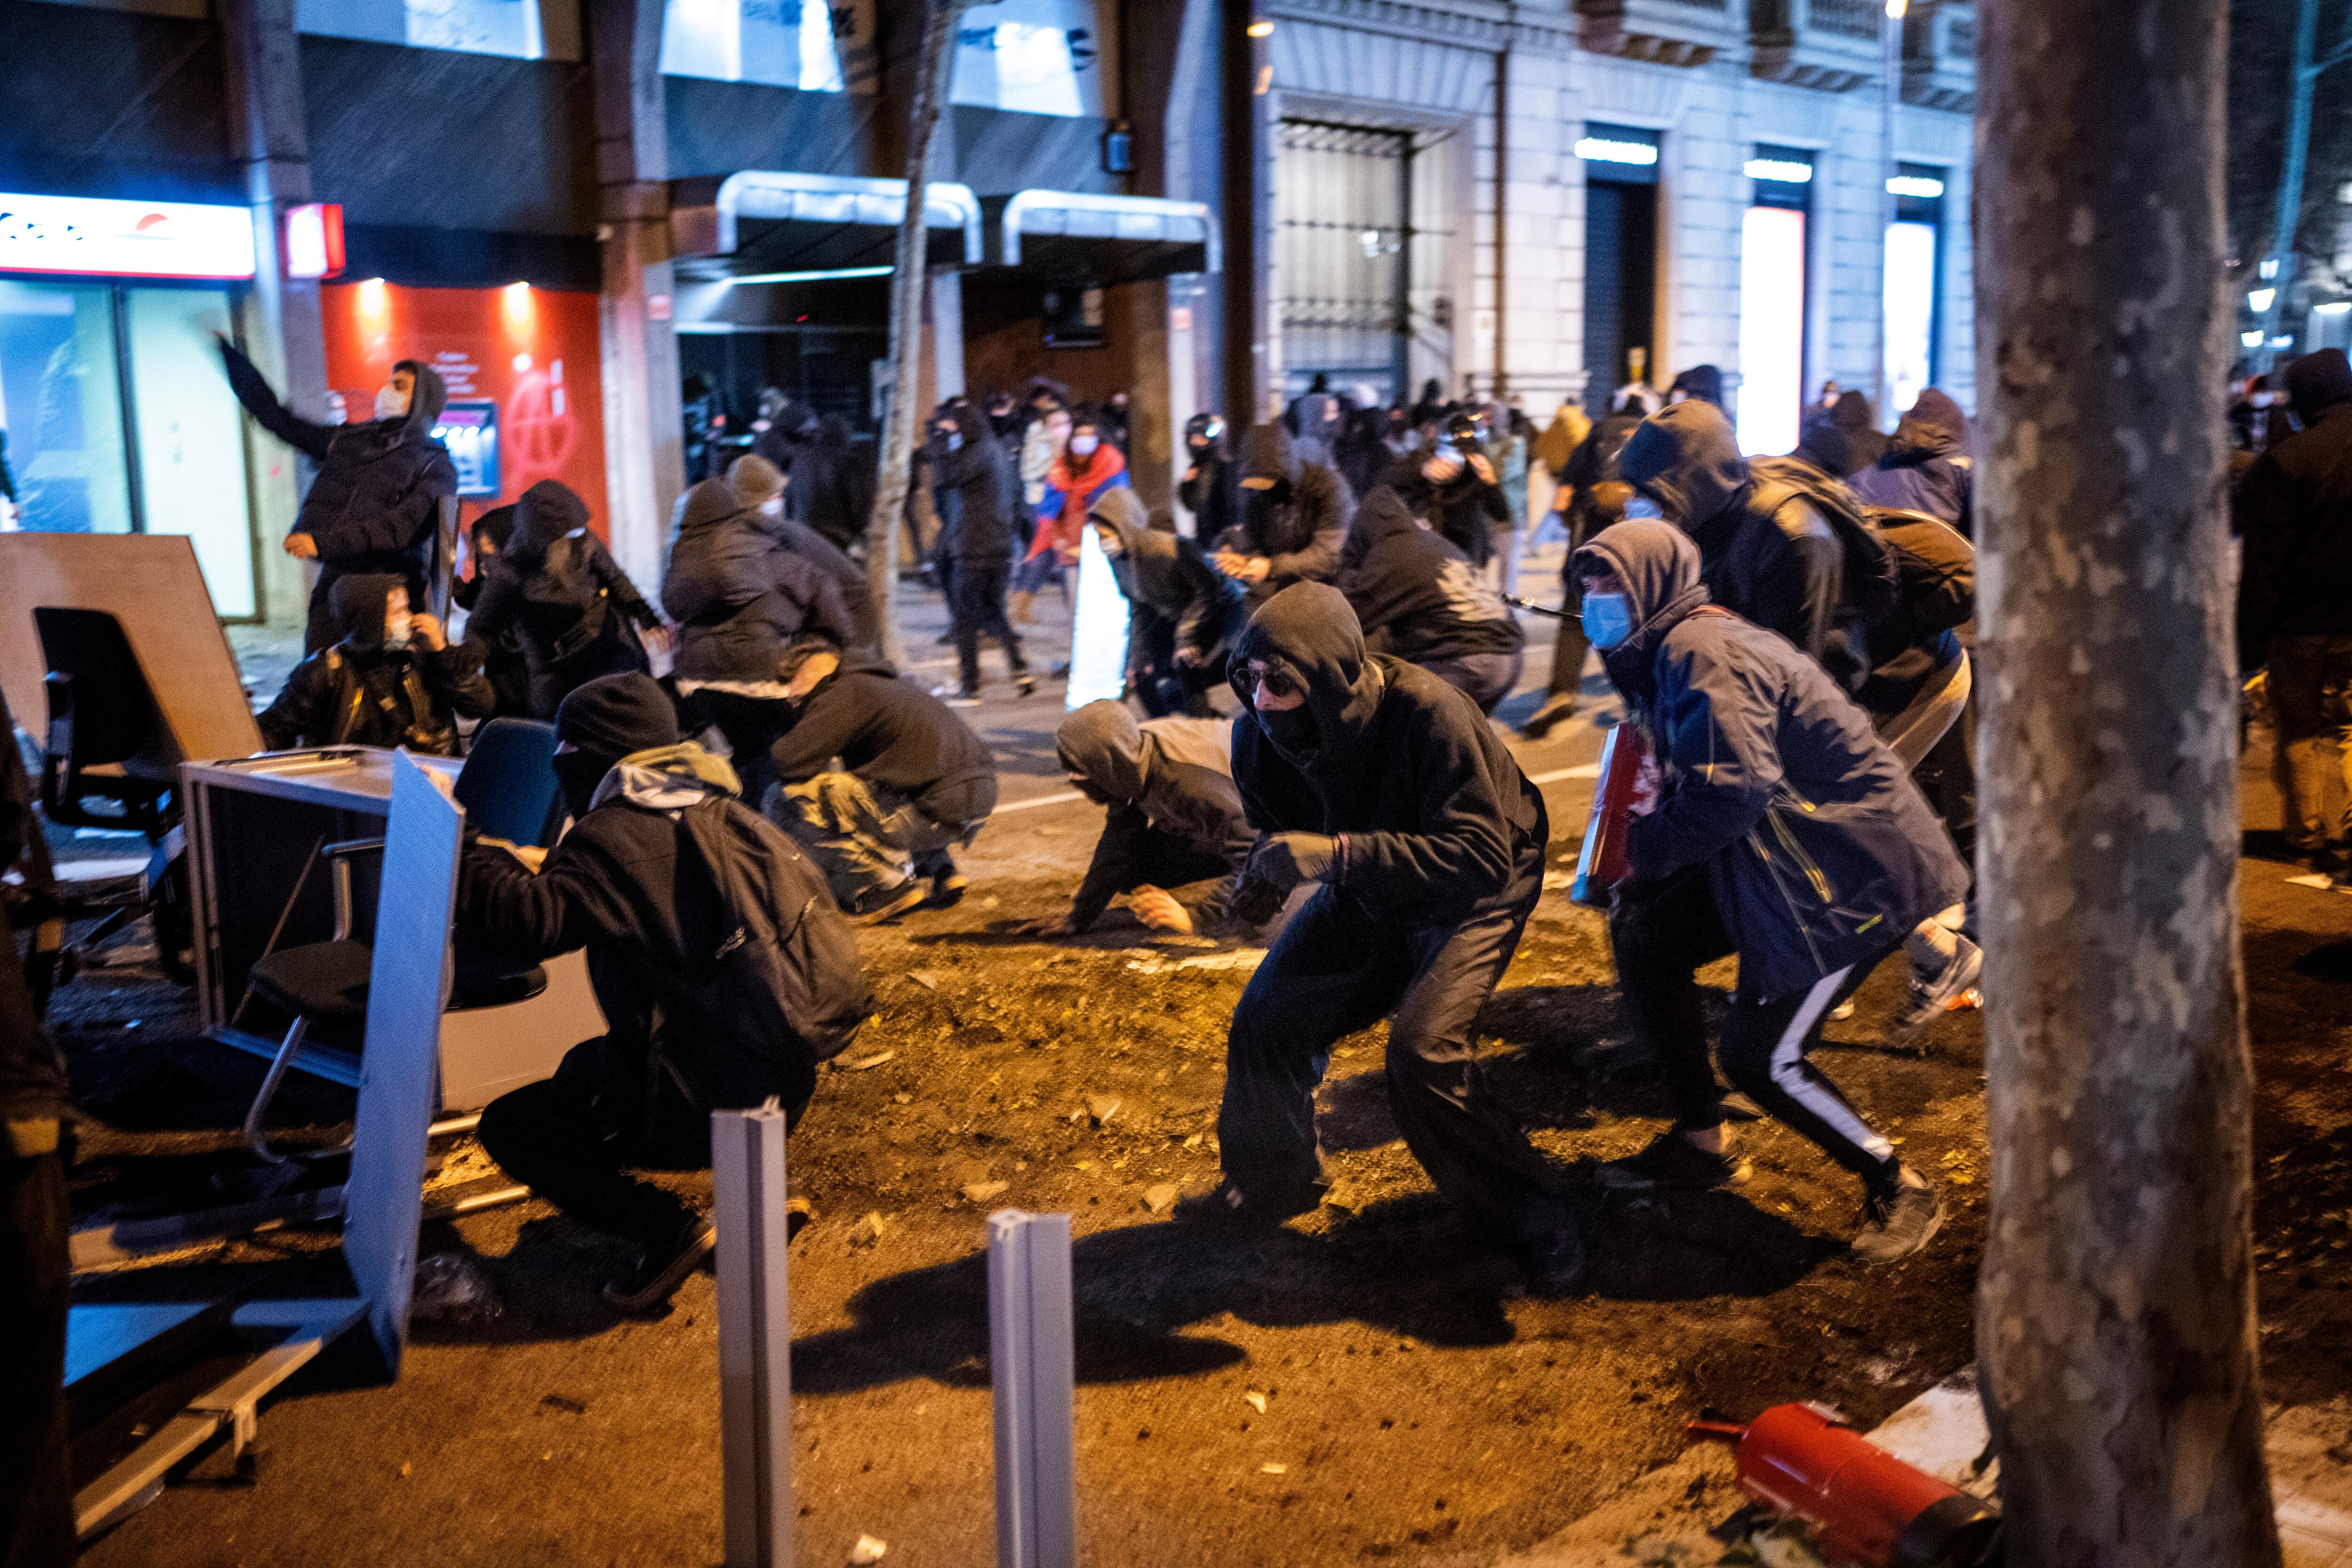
(558, 587)
(761, 485)
(1417, 597)
(1175, 819)
(1384, 785)
(385, 492)
(1775, 826)
(626, 884)
(1182, 613)
(391, 679)
(739, 599)
(978, 493)
(1927, 465)
(1293, 519)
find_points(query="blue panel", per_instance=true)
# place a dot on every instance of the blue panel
(97, 1336)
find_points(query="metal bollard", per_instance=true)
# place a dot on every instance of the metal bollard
(1029, 1323)
(755, 1378)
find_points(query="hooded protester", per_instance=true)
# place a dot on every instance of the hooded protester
(1360, 455)
(1452, 482)
(504, 663)
(1088, 467)
(1417, 597)
(912, 782)
(1591, 497)
(761, 487)
(635, 882)
(1207, 487)
(788, 434)
(384, 498)
(1703, 381)
(1175, 819)
(1926, 468)
(1384, 785)
(979, 492)
(1775, 824)
(560, 590)
(2294, 509)
(391, 679)
(1294, 518)
(833, 487)
(1182, 613)
(1315, 435)
(1006, 418)
(1846, 437)
(1430, 405)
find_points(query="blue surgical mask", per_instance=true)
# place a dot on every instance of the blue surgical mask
(1642, 506)
(955, 440)
(1608, 619)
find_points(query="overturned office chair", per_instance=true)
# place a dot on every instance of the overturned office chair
(103, 726)
(508, 789)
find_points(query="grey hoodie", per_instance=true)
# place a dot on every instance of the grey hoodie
(1169, 779)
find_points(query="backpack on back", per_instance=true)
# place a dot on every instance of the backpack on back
(1936, 570)
(1869, 589)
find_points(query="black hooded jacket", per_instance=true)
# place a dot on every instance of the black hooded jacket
(361, 693)
(739, 595)
(1926, 466)
(833, 487)
(1465, 509)
(1297, 526)
(1819, 850)
(376, 501)
(1439, 823)
(1415, 595)
(889, 731)
(1164, 778)
(2294, 509)
(1168, 581)
(1210, 495)
(558, 587)
(978, 488)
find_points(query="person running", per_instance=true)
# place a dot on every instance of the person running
(1775, 824)
(978, 492)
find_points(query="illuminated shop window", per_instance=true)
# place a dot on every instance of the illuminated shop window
(1035, 56)
(778, 43)
(520, 29)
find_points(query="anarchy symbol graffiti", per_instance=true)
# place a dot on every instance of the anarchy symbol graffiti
(539, 429)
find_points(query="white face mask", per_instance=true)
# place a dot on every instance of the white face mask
(396, 629)
(389, 402)
(1442, 465)
(1642, 506)
(772, 507)
(1083, 446)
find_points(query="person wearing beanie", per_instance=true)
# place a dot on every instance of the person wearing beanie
(2295, 604)
(762, 486)
(634, 883)
(392, 679)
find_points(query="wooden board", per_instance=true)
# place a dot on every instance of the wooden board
(152, 584)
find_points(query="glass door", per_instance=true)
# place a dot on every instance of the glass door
(61, 408)
(191, 438)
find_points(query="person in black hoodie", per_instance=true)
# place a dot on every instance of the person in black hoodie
(626, 883)
(391, 679)
(761, 487)
(1359, 454)
(1293, 519)
(504, 663)
(2294, 509)
(832, 488)
(1451, 482)
(559, 589)
(1926, 466)
(912, 782)
(1703, 381)
(385, 497)
(1857, 443)
(1207, 487)
(1384, 785)
(1417, 597)
(1774, 824)
(978, 489)
(1182, 613)
(1592, 496)
(1175, 819)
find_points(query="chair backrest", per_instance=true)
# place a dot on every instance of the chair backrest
(508, 786)
(113, 709)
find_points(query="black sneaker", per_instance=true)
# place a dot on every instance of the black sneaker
(1023, 683)
(948, 888)
(1226, 1207)
(1897, 1222)
(1554, 1268)
(1672, 1161)
(662, 1270)
(1556, 710)
(880, 903)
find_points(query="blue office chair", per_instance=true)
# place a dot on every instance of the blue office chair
(510, 791)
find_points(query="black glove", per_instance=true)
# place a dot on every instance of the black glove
(1283, 860)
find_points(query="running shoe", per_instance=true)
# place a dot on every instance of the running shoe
(1929, 998)
(1672, 1161)
(1897, 1222)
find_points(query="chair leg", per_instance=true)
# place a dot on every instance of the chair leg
(254, 1139)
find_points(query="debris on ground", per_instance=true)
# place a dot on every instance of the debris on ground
(928, 979)
(868, 1549)
(981, 1191)
(1161, 1195)
(452, 1288)
(866, 1232)
(875, 1060)
(1256, 1400)
(1271, 1469)
(1102, 1107)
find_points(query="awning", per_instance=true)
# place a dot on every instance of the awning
(1072, 237)
(805, 227)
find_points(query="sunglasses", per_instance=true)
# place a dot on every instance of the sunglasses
(1277, 682)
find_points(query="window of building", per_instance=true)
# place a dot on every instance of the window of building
(1914, 287)
(1620, 256)
(520, 29)
(779, 43)
(1038, 57)
(1773, 299)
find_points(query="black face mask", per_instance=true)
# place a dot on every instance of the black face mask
(1292, 730)
(579, 773)
(1267, 500)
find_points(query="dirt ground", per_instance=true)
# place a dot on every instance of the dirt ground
(1414, 1404)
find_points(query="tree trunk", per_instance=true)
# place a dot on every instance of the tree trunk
(908, 283)
(2116, 1321)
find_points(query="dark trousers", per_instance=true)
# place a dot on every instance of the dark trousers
(573, 1139)
(980, 607)
(1335, 969)
(1163, 686)
(36, 1525)
(752, 725)
(1660, 934)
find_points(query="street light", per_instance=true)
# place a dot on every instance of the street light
(2258, 300)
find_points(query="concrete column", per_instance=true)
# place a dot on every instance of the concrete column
(946, 327)
(645, 447)
(279, 321)
(1252, 355)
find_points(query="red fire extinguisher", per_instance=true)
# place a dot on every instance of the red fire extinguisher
(1866, 1505)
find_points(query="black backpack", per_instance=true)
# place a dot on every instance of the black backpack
(1935, 569)
(1871, 590)
(783, 980)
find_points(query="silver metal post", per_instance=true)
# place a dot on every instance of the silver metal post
(755, 1380)
(1029, 1324)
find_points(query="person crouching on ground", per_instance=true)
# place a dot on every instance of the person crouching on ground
(393, 679)
(881, 783)
(1778, 827)
(1175, 817)
(1182, 613)
(1385, 786)
(636, 882)
(1417, 597)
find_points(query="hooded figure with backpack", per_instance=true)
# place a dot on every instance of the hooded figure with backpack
(724, 973)
(392, 678)
(1926, 466)
(558, 587)
(1417, 597)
